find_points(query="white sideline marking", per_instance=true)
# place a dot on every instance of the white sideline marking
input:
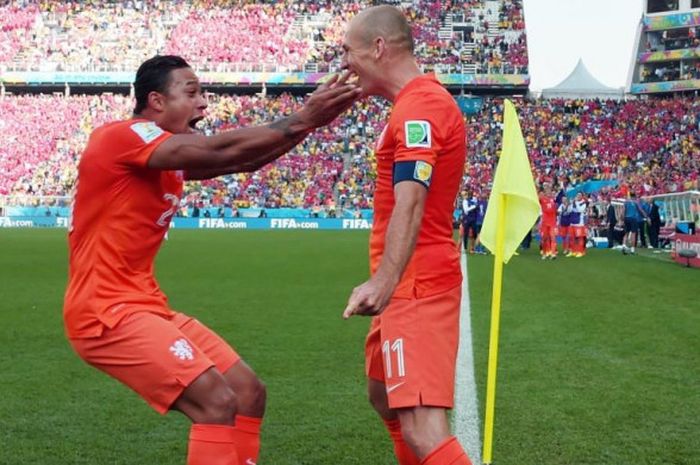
(465, 418)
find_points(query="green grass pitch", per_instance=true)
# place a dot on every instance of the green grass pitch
(599, 359)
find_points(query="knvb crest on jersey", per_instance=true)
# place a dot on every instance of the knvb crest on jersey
(418, 134)
(182, 350)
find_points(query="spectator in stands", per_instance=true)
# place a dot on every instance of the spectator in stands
(284, 35)
(576, 139)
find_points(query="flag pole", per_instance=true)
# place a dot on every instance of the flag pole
(495, 323)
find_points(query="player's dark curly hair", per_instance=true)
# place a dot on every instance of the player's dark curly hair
(153, 76)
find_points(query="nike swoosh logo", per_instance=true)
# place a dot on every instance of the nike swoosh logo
(249, 462)
(391, 388)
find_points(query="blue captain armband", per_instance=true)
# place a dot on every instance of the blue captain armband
(418, 171)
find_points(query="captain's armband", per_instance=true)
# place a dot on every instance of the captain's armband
(417, 171)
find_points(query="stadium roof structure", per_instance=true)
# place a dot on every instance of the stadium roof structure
(582, 84)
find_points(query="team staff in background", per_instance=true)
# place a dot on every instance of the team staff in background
(415, 287)
(654, 224)
(129, 186)
(469, 206)
(577, 228)
(564, 211)
(634, 216)
(611, 220)
(481, 205)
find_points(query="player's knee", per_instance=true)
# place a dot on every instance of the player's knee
(220, 407)
(423, 431)
(252, 396)
(422, 441)
(257, 394)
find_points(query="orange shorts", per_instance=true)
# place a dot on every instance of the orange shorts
(548, 230)
(155, 356)
(412, 348)
(577, 231)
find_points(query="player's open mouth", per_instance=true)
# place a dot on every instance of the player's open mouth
(193, 122)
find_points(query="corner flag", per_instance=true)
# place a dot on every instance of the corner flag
(512, 210)
(513, 181)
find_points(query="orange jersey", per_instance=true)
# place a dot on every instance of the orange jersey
(549, 210)
(121, 212)
(425, 126)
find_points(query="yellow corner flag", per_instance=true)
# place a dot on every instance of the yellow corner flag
(513, 183)
(512, 211)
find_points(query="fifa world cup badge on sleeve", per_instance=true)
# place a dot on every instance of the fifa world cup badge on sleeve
(418, 134)
(147, 131)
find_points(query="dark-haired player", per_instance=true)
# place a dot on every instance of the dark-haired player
(129, 186)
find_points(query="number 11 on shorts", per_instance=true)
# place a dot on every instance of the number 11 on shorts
(397, 347)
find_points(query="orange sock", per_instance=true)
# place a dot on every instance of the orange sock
(448, 452)
(247, 439)
(211, 445)
(403, 452)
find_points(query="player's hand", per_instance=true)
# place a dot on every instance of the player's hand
(330, 99)
(369, 298)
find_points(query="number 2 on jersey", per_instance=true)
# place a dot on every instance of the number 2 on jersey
(164, 219)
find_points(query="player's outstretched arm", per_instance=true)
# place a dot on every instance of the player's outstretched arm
(248, 149)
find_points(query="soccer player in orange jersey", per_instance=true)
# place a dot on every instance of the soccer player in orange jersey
(129, 186)
(548, 224)
(414, 291)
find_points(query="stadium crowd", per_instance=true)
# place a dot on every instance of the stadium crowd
(648, 146)
(282, 35)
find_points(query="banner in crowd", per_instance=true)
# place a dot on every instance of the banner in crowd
(33, 222)
(669, 55)
(590, 187)
(242, 79)
(62, 77)
(207, 212)
(209, 223)
(659, 23)
(470, 105)
(686, 242)
(670, 86)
